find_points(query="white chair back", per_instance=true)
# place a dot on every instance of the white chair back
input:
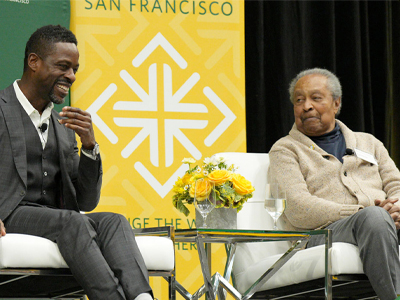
(254, 167)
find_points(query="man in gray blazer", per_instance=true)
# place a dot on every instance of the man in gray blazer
(44, 183)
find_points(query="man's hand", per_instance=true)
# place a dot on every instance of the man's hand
(394, 210)
(81, 122)
(2, 229)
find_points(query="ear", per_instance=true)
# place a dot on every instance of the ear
(33, 61)
(336, 104)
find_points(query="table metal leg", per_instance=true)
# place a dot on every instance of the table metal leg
(328, 265)
(218, 285)
(208, 247)
(205, 267)
(275, 267)
(230, 252)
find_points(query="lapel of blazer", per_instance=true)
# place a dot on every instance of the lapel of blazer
(11, 110)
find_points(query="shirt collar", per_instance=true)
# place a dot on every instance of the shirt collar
(30, 110)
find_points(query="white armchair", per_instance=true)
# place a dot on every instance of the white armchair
(304, 273)
(32, 267)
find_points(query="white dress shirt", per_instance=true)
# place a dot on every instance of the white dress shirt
(37, 118)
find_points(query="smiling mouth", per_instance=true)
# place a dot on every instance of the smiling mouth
(63, 87)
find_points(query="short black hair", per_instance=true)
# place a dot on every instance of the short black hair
(43, 39)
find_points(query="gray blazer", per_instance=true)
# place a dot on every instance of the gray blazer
(81, 176)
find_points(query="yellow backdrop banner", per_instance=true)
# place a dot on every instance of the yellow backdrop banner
(163, 80)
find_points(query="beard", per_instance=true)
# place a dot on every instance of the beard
(52, 96)
(55, 99)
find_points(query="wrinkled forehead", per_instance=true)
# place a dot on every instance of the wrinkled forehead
(311, 84)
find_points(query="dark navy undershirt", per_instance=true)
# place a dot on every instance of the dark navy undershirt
(332, 142)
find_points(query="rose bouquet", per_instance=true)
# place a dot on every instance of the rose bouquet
(231, 189)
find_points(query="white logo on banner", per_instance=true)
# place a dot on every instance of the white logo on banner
(172, 127)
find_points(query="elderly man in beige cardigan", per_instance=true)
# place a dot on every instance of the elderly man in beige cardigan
(339, 179)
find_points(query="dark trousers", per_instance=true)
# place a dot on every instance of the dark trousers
(99, 248)
(373, 230)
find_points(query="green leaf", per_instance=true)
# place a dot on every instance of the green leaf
(182, 208)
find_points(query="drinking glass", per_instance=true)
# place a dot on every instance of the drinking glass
(204, 198)
(275, 201)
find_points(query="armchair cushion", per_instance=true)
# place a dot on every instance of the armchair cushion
(305, 265)
(28, 251)
(158, 252)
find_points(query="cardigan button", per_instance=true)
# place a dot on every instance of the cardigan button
(345, 173)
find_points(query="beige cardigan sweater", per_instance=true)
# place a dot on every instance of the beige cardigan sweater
(320, 189)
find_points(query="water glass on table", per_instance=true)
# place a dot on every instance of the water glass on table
(204, 198)
(275, 201)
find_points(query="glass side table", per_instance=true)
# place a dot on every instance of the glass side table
(219, 284)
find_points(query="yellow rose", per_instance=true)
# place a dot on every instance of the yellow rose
(241, 185)
(202, 188)
(219, 177)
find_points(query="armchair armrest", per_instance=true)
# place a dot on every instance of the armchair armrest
(167, 231)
